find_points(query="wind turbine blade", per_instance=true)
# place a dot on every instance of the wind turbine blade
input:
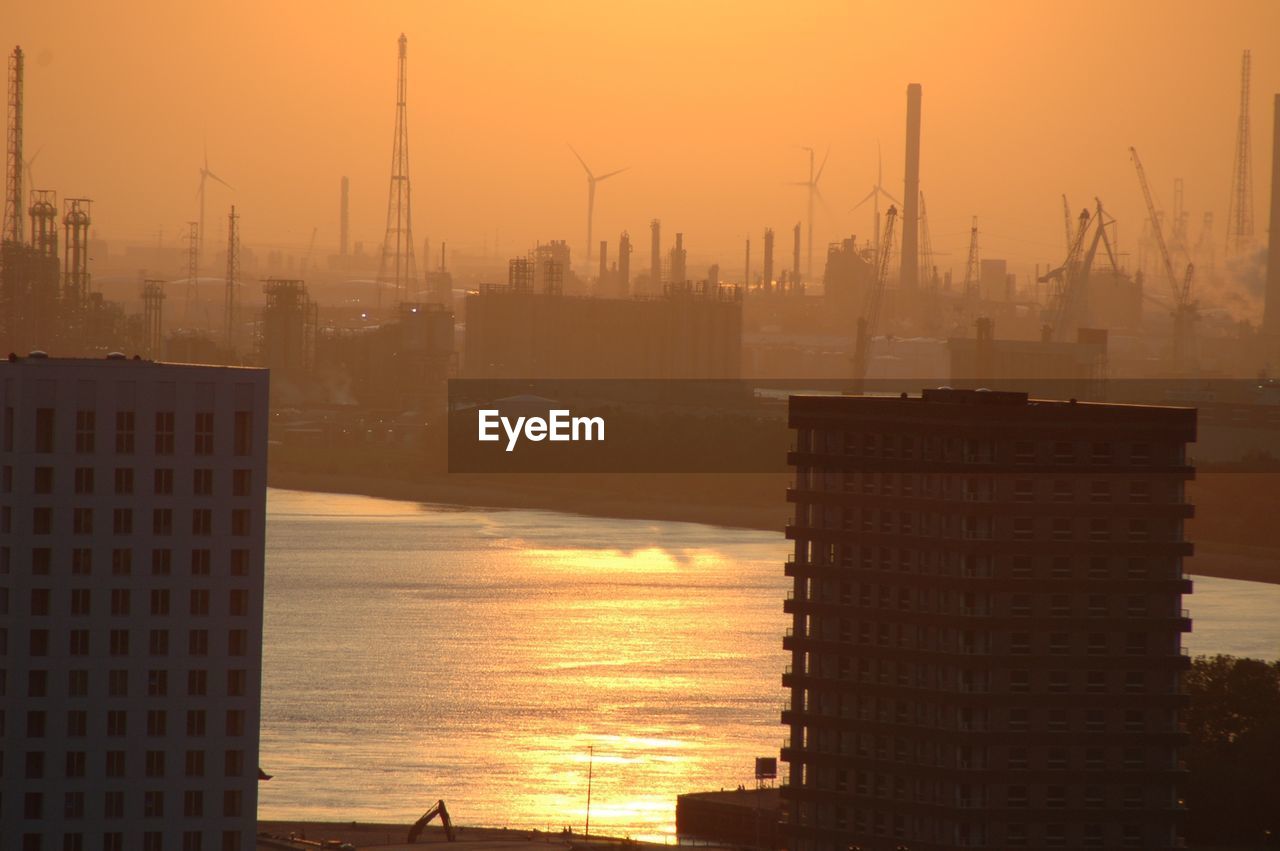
(823, 201)
(611, 174)
(865, 199)
(818, 176)
(581, 160)
(881, 190)
(32, 161)
(220, 180)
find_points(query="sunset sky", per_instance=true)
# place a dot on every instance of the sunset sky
(706, 102)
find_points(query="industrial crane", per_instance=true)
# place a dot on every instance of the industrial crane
(1064, 301)
(871, 308)
(1184, 310)
(438, 809)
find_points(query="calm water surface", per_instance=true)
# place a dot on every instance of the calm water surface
(421, 652)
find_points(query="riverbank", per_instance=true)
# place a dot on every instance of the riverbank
(304, 835)
(762, 506)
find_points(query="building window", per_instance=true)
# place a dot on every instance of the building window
(81, 601)
(197, 682)
(238, 602)
(157, 722)
(75, 763)
(243, 432)
(1024, 490)
(84, 480)
(125, 422)
(162, 521)
(201, 521)
(202, 481)
(158, 643)
(81, 561)
(1023, 529)
(195, 764)
(118, 683)
(42, 480)
(42, 520)
(199, 601)
(78, 642)
(239, 562)
(233, 764)
(161, 562)
(201, 560)
(240, 522)
(44, 430)
(192, 807)
(164, 432)
(241, 482)
(153, 804)
(163, 481)
(122, 521)
(82, 521)
(124, 481)
(113, 808)
(120, 602)
(119, 642)
(117, 722)
(155, 763)
(231, 802)
(198, 642)
(77, 683)
(238, 642)
(195, 722)
(204, 433)
(121, 562)
(236, 678)
(157, 683)
(86, 425)
(160, 601)
(235, 722)
(1019, 681)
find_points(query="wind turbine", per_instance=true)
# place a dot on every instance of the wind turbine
(204, 175)
(31, 181)
(814, 192)
(592, 180)
(877, 190)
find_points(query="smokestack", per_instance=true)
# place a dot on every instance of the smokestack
(678, 274)
(655, 257)
(795, 260)
(746, 268)
(343, 216)
(768, 259)
(1271, 313)
(624, 264)
(604, 262)
(909, 276)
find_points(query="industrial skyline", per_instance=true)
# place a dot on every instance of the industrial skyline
(985, 130)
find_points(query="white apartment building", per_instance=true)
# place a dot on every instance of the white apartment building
(132, 513)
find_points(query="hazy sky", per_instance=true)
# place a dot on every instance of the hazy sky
(705, 101)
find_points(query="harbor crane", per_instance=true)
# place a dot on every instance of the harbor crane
(1185, 311)
(870, 318)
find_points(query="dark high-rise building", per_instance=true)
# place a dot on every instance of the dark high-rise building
(987, 623)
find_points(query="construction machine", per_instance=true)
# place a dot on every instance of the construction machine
(438, 809)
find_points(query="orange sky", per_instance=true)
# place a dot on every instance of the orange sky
(707, 102)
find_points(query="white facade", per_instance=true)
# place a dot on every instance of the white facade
(132, 512)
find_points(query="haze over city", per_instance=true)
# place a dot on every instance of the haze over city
(707, 104)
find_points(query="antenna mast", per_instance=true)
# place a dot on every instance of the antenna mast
(397, 246)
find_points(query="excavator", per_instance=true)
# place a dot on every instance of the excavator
(438, 809)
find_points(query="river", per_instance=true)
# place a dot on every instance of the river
(485, 657)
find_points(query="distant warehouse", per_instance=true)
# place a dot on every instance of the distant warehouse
(693, 331)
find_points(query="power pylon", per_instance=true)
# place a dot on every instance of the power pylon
(1240, 206)
(193, 269)
(396, 267)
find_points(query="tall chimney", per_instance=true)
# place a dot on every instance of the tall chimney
(655, 257)
(343, 220)
(624, 264)
(795, 261)
(677, 271)
(909, 276)
(768, 260)
(604, 263)
(1271, 314)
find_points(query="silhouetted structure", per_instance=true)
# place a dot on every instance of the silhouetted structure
(849, 272)
(287, 344)
(986, 654)
(400, 365)
(689, 332)
(910, 270)
(133, 587)
(396, 267)
(1271, 319)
